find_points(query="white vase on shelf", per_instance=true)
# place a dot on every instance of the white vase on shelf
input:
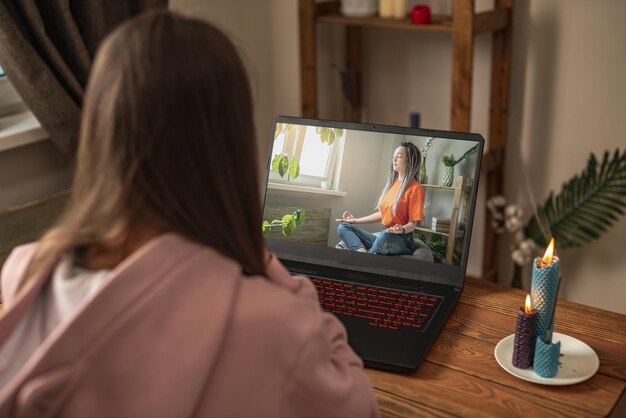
(358, 8)
(447, 176)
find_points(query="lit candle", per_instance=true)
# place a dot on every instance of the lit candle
(543, 289)
(524, 343)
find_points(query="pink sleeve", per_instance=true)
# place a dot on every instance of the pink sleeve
(328, 378)
(299, 285)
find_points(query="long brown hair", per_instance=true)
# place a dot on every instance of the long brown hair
(167, 134)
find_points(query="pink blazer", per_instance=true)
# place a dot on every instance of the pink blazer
(179, 332)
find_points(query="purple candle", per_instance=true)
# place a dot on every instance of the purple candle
(524, 343)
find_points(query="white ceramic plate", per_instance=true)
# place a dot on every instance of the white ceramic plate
(578, 361)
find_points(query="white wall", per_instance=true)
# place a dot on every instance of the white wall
(362, 175)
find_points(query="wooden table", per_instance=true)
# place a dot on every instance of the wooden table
(461, 377)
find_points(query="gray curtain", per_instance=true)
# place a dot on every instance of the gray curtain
(46, 49)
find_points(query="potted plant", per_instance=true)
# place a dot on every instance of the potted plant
(450, 162)
(287, 223)
(286, 163)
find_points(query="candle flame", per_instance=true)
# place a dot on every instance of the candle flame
(527, 307)
(547, 257)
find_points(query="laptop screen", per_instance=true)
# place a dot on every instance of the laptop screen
(374, 198)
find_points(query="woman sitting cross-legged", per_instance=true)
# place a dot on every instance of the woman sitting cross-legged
(399, 209)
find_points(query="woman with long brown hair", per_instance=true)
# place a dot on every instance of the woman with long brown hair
(153, 295)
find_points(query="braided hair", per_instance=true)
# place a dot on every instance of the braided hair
(411, 171)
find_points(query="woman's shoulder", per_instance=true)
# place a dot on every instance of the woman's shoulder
(19, 257)
(279, 303)
(264, 303)
(14, 268)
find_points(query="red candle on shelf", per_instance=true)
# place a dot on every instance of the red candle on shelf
(524, 342)
(420, 14)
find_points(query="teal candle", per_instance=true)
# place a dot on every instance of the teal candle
(543, 291)
(546, 360)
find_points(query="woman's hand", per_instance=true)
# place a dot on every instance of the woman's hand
(396, 229)
(347, 217)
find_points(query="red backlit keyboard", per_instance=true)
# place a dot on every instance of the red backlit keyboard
(384, 308)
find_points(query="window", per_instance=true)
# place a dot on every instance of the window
(10, 101)
(314, 149)
(18, 126)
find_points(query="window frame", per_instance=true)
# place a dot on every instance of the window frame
(294, 146)
(18, 125)
(10, 101)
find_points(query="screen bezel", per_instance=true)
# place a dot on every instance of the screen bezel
(379, 265)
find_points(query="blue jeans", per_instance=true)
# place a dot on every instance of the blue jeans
(383, 243)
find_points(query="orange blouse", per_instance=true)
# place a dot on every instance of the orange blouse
(409, 206)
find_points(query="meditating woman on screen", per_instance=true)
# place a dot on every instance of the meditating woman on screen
(399, 209)
(154, 295)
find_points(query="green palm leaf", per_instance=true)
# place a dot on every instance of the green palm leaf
(586, 206)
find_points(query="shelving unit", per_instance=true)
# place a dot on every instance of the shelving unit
(463, 26)
(455, 233)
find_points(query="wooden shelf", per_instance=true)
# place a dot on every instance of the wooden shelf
(485, 22)
(440, 23)
(463, 25)
(436, 186)
(459, 232)
(455, 232)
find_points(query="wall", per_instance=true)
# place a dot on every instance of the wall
(32, 171)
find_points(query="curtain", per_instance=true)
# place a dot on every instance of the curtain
(46, 50)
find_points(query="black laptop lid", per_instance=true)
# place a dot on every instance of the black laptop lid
(317, 169)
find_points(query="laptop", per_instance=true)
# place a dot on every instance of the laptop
(393, 306)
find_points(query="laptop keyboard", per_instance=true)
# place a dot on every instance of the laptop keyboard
(385, 308)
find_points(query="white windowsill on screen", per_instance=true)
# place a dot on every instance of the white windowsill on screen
(20, 129)
(305, 189)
